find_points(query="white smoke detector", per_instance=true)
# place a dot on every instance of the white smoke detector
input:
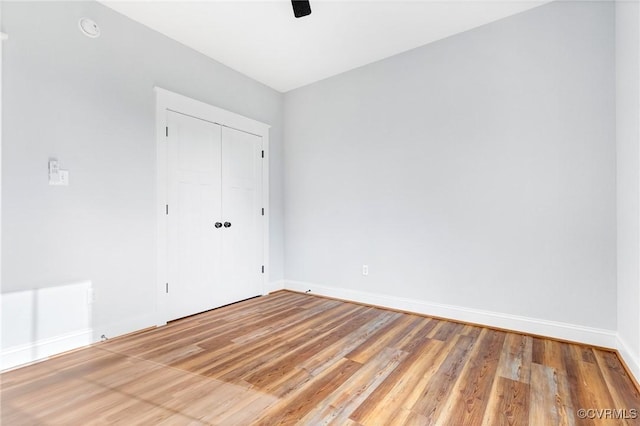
(89, 27)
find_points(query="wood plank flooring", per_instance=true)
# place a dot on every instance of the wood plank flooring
(291, 358)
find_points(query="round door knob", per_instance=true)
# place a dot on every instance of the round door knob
(218, 225)
(227, 224)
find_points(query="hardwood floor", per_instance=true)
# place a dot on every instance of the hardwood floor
(290, 358)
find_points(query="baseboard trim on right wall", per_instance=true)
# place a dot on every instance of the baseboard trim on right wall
(554, 329)
(630, 359)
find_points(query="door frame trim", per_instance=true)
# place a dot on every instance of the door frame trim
(171, 101)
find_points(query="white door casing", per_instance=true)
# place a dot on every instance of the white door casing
(251, 154)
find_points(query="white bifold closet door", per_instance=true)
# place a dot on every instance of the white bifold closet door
(214, 215)
(242, 211)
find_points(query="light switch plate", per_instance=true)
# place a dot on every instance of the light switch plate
(59, 178)
(63, 178)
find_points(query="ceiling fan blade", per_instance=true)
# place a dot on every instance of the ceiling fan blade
(301, 8)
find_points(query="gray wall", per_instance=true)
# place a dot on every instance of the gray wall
(90, 103)
(477, 171)
(628, 179)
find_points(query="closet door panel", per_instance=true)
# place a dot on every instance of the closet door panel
(194, 194)
(242, 214)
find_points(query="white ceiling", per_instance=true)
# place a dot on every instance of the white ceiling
(264, 41)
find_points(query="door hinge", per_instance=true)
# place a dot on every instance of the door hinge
(167, 131)
(167, 288)
(166, 208)
(263, 211)
(263, 269)
(262, 153)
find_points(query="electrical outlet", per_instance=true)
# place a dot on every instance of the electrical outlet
(365, 270)
(91, 297)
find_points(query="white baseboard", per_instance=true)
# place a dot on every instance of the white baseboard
(554, 329)
(42, 349)
(274, 286)
(131, 325)
(629, 357)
